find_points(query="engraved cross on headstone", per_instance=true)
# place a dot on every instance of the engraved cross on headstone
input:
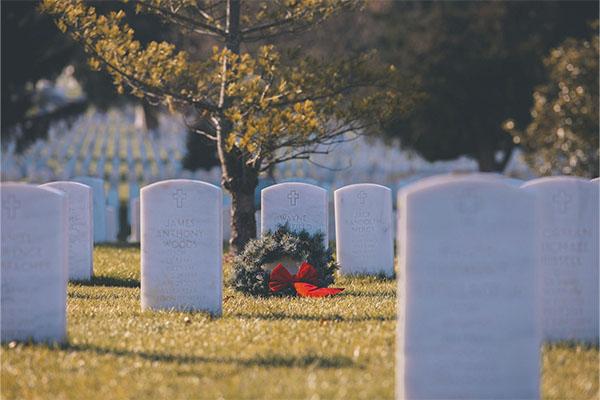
(11, 205)
(561, 200)
(362, 196)
(179, 196)
(293, 196)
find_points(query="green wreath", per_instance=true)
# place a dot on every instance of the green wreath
(249, 274)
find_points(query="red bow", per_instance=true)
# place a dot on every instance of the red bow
(305, 281)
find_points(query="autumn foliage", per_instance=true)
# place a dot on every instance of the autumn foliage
(261, 106)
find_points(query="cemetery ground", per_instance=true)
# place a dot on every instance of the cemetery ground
(341, 347)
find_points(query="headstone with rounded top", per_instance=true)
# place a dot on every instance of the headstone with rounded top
(567, 251)
(364, 233)
(182, 247)
(299, 205)
(81, 228)
(34, 263)
(468, 323)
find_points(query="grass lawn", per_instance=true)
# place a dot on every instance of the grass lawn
(277, 348)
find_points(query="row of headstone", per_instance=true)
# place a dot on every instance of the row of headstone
(363, 221)
(189, 228)
(48, 233)
(86, 148)
(99, 144)
(472, 261)
(488, 269)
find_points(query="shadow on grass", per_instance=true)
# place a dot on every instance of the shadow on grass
(270, 361)
(99, 297)
(274, 316)
(380, 277)
(109, 281)
(383, 295)
(117, 245)
(572, 344)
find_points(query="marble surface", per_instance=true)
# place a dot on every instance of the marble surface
(34, 263)
(468, 325)
(364, 232)
(81, 228)
(182, 247)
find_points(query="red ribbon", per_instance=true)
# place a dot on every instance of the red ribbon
(304, 282)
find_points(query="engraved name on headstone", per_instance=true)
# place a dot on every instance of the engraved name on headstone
(181, 226)
(363, 217)
(567, 251)
(300, 205)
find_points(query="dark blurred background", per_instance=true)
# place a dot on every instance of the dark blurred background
(496, 76)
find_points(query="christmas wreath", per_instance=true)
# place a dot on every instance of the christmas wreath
(316, 266)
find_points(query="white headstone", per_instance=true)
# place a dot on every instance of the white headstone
(134, 209)
(302, 206)
(467, 323)
(182, 246)
(99, 197)
(34, 263)
(494, 175)
(111, 224)
(514, 181)
(567, 231)
(81, 228)
(363, 219)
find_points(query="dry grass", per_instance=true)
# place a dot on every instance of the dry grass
(340, 347)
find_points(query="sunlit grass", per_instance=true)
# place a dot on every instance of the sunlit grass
(275, 348)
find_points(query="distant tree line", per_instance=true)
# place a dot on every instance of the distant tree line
(33, 49)
(490, 75)
(479, 64)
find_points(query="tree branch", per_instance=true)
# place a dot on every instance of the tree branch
(202, 133)
(150, 90)
(203, 28)
(307, 148)
(202, 127)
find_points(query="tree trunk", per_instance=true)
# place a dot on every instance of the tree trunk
(486, 158)
(151, 114)
(241, 181)
(239, 178)
(243, 223)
